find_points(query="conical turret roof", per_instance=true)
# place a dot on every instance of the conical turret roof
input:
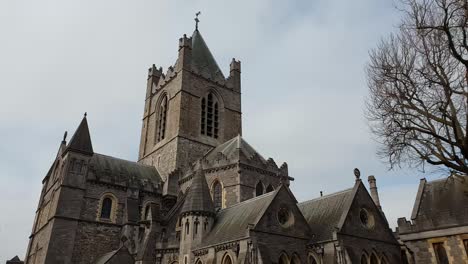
(202, 59)
(198, 198)
(81, 140)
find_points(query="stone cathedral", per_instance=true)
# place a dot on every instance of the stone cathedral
(199, 193)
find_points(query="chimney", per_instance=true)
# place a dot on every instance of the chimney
(373, 191)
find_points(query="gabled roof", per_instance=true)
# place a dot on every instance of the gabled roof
(202, 59)
(443, 202)
(198, 197)
(122, 170)
(325, 214)
(120, 256)
(233, 222)
(231, 148)
(81, 140)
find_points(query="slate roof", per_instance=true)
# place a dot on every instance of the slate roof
(230, 148)
(122, 170)
(81, 140)
(202, 59)
(442, 202)
(198, 197)
(233, 223)
(323, 214)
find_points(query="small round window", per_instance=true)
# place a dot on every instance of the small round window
(367, 219)
(285, 218)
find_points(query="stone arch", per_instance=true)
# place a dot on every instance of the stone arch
(283, 259)
(259, 188)
(364, 257)
(373, 259)
(227, 259)
(107, 209)
(199, 261)
(295, 259)
(384, 259)
(312, 258)
(162, 106)
(217, 193)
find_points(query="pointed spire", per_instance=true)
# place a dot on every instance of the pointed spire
(198, 198)
(203, 61)
(81, 140)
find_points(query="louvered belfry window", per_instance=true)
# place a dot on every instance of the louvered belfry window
(210, 116)
(162, 118)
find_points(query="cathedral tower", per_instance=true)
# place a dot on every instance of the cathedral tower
(189, 110)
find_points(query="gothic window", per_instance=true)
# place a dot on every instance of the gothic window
(283, 259)
(269, 188)
(295, 260)
(217, 195)
(259, 189)
(161, 120)
(440, 253)
(312, 260)
(373, 259)
(363, 259)
(210, 116)
(106, 208)
(195, 227)
(147, 210)
(227, 260)
(205, 225)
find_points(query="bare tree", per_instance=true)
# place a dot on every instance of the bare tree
(418, 80)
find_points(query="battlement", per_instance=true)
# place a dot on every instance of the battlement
(153, 71)
(235, 65)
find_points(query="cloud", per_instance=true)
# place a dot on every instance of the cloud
(302, 73)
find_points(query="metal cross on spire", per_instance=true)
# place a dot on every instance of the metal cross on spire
(197, 20)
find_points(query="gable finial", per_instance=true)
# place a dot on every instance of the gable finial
(65, 136)
(197, 20)
(85, 114)
(357, 173)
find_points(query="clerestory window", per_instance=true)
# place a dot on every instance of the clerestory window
(217, 195)
(210, 116)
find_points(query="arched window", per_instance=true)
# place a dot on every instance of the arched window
(106, 208)
(440, 253)
(259, 189)
(383, 259)
(227, 260)
(147, 210)
(210, 116)
(161, 121)
(312, 260)
(364, 259)
(269, 188)
(283, 259)
(195, 227)
(187, 228)
(373, 259)
(295, 259)
(217, 195)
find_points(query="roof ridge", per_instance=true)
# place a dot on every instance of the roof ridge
(251, 199)
(327, 196)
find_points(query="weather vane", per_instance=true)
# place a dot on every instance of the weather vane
(197, 20)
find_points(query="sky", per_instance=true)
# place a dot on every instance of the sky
(303, 88)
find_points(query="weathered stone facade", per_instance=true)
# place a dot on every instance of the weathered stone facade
(438, 232)
(199, 192)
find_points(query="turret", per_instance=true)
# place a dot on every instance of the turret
(154, 75)
(197, 214)
(234, 78)
(185, 54)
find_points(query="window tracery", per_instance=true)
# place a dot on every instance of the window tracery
(210, 116)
